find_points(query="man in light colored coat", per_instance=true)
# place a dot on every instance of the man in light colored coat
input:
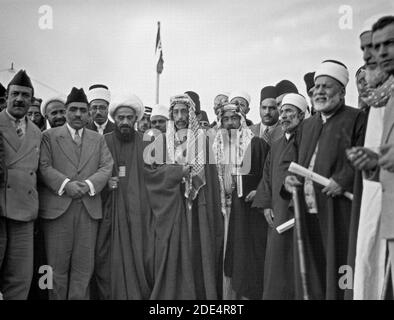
(75, 165)
(18, 195)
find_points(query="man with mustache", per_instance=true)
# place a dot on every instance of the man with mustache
(366, 250)
(159, 118)
(378, 163)
(192, 195)
(269, 116)
(279, 261)
(125, 245)
(18, 193)
(240, 158)
(218, 102)
(323, 141)
(54, 111)
(75, 165)
(144, 123)
(99, 98)
(241, 99)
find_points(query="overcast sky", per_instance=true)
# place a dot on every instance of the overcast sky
(208, 45)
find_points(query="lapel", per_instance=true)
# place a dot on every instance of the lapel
(27, 144)
(67, 145)
(312, 135)
(109, 128)
(9, 132)
(88, 146)
(388, 122)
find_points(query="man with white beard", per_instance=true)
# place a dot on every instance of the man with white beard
(326, 211)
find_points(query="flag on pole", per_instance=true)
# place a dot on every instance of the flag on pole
(159, 51)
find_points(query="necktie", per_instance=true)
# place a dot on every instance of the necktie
(19, 128)
(77, 139)
(266, 135)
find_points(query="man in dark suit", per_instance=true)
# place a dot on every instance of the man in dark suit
(99, 98)
(75, 165)
(18, 196)
(269, 128)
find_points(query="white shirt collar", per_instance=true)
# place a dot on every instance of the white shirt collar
(72, 131)
(288, 136)
(104, 125)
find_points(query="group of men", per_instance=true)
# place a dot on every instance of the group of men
(123, 201)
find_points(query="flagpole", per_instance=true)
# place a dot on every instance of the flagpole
(157, 72)
(157, 87)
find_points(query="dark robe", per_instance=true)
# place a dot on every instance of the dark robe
(326, 233)
(355, 216)
(186, 270)
(124, 252)
(279, 262)
(173, 270)
(246, 242)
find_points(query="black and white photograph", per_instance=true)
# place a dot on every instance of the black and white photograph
(196, 155)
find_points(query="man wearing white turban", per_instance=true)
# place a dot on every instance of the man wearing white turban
(99, 98)
(322, 143)
(123, 241)
(279, 261)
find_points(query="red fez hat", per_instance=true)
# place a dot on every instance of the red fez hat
(286, 86)
(268, 92)
(2, 90)
(77, 95)
(309, 80)
(21, 79)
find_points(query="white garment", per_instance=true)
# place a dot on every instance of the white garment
(370, 252)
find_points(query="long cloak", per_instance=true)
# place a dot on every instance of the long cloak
(279, 262)
(247, 235)
(124, 254)
(326, 233)
(205, 249)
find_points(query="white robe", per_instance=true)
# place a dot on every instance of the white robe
(370, 253)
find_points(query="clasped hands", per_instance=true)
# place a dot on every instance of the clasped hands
(365, 159)
(76, 189)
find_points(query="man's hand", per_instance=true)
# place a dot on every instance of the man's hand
(250, 196)
(333, 189)
(73, 189)
(113, 183)
(386, 160)
(291, 182)
(269, 216)
(84, 186)
(362, 158)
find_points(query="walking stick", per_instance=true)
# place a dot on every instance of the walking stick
(386, 280)
(300, 244)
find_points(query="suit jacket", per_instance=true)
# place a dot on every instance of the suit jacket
(19, 196)
(59, 161)
(275, 134)
(108, 129)
(386, 177)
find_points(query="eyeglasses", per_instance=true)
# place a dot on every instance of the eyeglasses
(100, 108)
